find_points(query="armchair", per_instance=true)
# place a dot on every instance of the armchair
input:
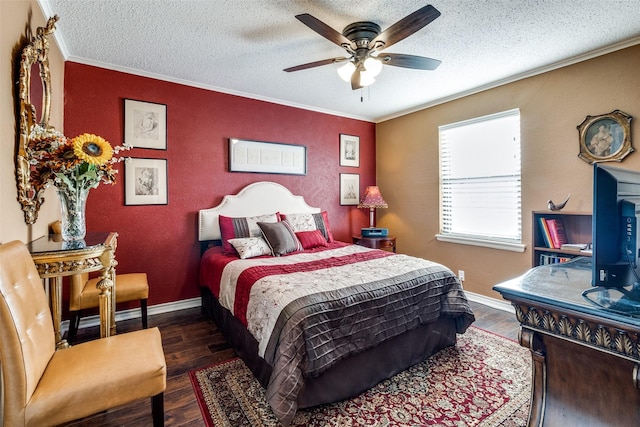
(44, 387)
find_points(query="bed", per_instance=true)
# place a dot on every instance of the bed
(325, 320)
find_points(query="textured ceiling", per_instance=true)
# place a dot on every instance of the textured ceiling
(242, 46)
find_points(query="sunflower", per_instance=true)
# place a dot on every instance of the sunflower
(92, 149)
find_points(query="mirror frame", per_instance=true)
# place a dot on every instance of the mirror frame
(36, 52)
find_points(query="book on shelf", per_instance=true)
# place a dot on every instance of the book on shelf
(546, 259)
(574, 246)
(557, 232)
(544, 230)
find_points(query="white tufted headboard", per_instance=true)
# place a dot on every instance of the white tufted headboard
(259, 198)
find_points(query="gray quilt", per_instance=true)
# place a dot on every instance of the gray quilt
(332, 308)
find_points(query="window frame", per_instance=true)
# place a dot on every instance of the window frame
(494, 242)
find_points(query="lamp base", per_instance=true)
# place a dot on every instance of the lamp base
(374, 232)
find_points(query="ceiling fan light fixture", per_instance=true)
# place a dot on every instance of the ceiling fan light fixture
(366, 78)
(346, 71)
(373, 66)
(364, 40)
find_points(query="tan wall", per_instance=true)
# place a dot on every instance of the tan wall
(15, 18)
(551, 105)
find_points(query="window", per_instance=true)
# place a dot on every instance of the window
(480, 201)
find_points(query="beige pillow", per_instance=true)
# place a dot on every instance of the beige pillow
(250, 247)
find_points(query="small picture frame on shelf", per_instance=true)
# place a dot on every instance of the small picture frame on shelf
(145, 124)
(605, 138)
(145, 181)
(349, 150)
(349, 189)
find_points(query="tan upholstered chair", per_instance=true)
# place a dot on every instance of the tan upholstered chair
(45, 387)
(84, 295)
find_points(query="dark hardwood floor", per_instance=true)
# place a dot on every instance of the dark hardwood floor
(191, 341)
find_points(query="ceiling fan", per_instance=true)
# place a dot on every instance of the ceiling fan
(364, 42)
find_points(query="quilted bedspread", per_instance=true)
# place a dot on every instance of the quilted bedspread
(312, 309)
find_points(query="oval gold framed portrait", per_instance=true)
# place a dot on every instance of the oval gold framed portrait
(605, 138)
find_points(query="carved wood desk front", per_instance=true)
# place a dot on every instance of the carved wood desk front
(56, 258)
(585, 351)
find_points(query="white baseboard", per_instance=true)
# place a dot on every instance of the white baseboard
(134, 313)
(491, 302)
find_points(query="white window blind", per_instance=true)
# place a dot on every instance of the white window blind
(480, 179)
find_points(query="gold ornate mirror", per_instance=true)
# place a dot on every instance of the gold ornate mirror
(34, 84)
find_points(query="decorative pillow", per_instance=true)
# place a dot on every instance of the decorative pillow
(311, 239)
(309, 222)
(249, 247)
(234, 228)
(280, 237)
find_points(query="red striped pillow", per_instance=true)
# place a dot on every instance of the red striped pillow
(234, 228)
(311, 239)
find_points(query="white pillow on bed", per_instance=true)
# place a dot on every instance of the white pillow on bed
(309, 222)
(250, 247)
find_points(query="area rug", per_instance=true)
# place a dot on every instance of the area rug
(484, 380)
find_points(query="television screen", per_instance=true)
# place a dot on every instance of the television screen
(616, 208)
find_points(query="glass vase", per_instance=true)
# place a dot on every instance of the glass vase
(73, 203)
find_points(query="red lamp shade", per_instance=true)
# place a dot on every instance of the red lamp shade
(372, 199)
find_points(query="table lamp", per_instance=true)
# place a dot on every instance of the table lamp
(373, 199)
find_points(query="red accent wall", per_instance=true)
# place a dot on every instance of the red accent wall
(162, 240)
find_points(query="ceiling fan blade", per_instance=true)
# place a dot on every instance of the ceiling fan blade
(324, 30)
(409, 61)
(314, 64)
(355, 80)
(405, 27)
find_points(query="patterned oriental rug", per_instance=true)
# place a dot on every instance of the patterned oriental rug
(484, 381)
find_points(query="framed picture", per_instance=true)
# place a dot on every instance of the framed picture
(267, 157)
(349, 189)
(605, 138)
(145, 124)
(349, 150)
(145, 181)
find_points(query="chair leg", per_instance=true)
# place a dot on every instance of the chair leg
(143, 309)
(157, 410)
(74, 323)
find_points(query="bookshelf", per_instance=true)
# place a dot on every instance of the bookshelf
(577, 227)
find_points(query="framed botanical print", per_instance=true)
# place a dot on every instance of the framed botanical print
(349, 150)
(349, 189)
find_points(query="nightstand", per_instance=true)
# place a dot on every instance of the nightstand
(385, 243)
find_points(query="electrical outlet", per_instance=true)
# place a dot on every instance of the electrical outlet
(461, 275)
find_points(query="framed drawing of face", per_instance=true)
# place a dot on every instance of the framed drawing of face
(145, 181)
(605, 138)
(145, 124)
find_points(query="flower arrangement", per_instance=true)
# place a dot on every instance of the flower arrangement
(73, 166)
(81, 162)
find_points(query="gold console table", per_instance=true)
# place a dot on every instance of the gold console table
(56, 258)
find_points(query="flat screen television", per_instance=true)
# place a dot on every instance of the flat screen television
(616, 211)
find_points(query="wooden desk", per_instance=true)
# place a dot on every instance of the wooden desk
(586, 352)
(56, 258)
